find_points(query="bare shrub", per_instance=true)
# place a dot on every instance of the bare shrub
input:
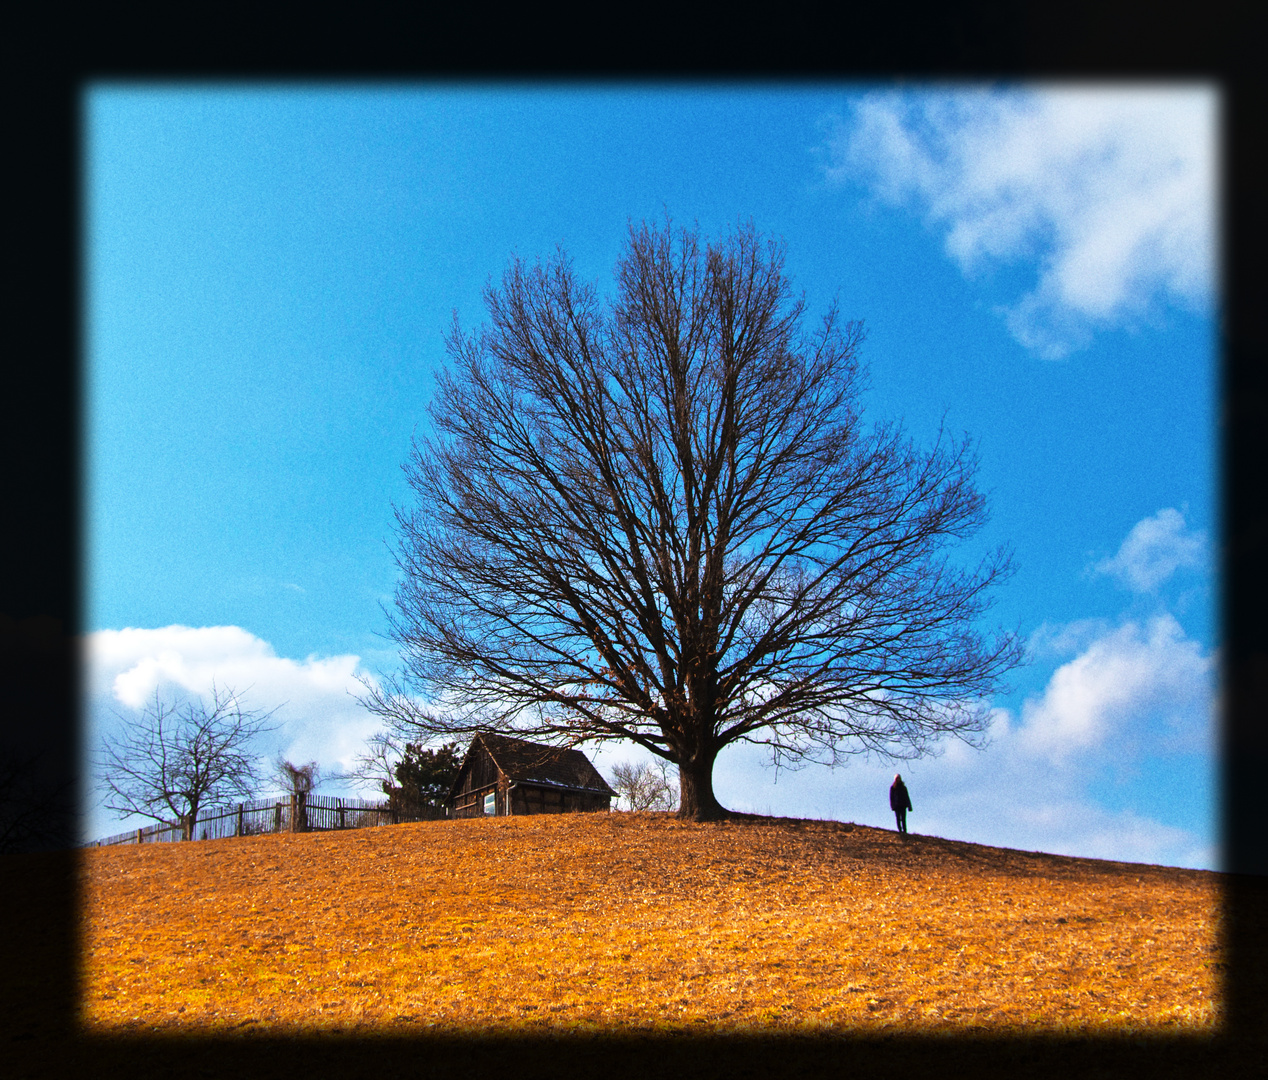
(645, 786)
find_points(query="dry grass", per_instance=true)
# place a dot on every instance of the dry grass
(619, 922)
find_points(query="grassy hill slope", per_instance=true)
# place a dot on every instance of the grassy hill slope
(617, 922)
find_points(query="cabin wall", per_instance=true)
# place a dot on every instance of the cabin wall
(528, 799)
(477, 781)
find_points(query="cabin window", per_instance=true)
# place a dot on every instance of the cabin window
(491, 803)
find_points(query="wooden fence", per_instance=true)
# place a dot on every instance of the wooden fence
(314, 813)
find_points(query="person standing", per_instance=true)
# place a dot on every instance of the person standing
(899, 802)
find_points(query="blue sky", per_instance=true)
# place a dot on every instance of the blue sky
(269, 273)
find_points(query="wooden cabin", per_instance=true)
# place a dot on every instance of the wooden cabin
(501, 775)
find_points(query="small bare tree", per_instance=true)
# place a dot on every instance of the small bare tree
(176, 759)
(662, 519)
(416, 779)
(296, 779)
(645, 786)
(377, 765)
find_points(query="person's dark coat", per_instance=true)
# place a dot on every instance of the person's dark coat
(898, 797)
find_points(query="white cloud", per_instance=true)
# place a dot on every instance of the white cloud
(1063, 639)
(1110, 189)
(1132, 693)
(1103, 697)
(319, 717)
(1153, 551)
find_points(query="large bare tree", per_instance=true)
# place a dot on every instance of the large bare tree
(663, 519)
(176, 759)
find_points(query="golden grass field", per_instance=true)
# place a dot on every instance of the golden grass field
(627, 923)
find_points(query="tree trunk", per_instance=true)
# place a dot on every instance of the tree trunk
(695, 781)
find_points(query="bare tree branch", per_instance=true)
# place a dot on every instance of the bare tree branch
(377, 765)
(663, 520)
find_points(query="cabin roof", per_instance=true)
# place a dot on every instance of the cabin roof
(524, 762)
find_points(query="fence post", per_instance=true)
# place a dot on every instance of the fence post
(277, 817)
(138, 836)
(238, 831)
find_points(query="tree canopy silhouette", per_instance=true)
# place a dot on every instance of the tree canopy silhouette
(421, 780)
(663, 519)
